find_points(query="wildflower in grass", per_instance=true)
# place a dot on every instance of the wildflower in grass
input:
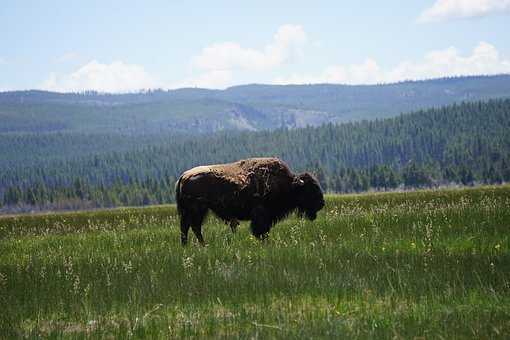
(249, 260)
(3, 280)
(322, 237)
(68, 267)
(128, 267)
(322, 265)
(237, 256)
(108, 280)
(86, 290)
(187, 262)
(76, 285)
(91, 325)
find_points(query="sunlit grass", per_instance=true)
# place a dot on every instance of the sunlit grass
(431, 263)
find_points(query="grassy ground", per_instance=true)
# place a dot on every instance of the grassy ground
(424, 264)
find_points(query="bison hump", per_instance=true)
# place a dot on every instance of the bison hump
(264, 173)
(233, 175)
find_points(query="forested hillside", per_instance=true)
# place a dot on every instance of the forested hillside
(461, 143)
(243, 108)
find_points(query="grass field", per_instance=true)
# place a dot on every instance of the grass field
(432, 264)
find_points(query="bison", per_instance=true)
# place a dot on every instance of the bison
(262, 190)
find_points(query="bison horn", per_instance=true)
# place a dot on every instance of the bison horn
(299, 182)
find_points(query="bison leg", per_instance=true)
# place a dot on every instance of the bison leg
(193, 217)
(233, 225)
(197, 229)
(185, 224)
(260, 223)
(196, 223)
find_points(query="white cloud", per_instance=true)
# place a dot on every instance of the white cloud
(115, 77)
(228, 55)
(217, 63)
(2, 61)
(365, 72)
(224, 68)
(484, 59)
(452, 9)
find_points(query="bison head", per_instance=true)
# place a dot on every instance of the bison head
(309, 197)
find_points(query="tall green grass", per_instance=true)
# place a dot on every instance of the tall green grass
(423, 264)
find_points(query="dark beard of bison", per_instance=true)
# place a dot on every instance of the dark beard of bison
(308, 213)
(311, 215)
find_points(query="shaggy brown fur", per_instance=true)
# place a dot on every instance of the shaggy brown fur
(262, 190)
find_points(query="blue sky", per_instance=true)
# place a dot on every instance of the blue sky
(124, 46)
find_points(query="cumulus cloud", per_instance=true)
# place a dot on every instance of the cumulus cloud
(362, 73)
(228, 55)
(217, 63)
(484, 59)
(453, 9)
(115, 77)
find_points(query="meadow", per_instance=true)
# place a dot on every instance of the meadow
(432, 264)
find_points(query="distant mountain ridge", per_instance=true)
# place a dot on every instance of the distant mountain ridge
(245, 107)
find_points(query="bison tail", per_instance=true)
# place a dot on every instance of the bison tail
(178, 196)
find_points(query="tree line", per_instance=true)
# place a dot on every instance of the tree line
(463, 143)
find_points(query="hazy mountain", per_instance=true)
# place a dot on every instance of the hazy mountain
(248, 107)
